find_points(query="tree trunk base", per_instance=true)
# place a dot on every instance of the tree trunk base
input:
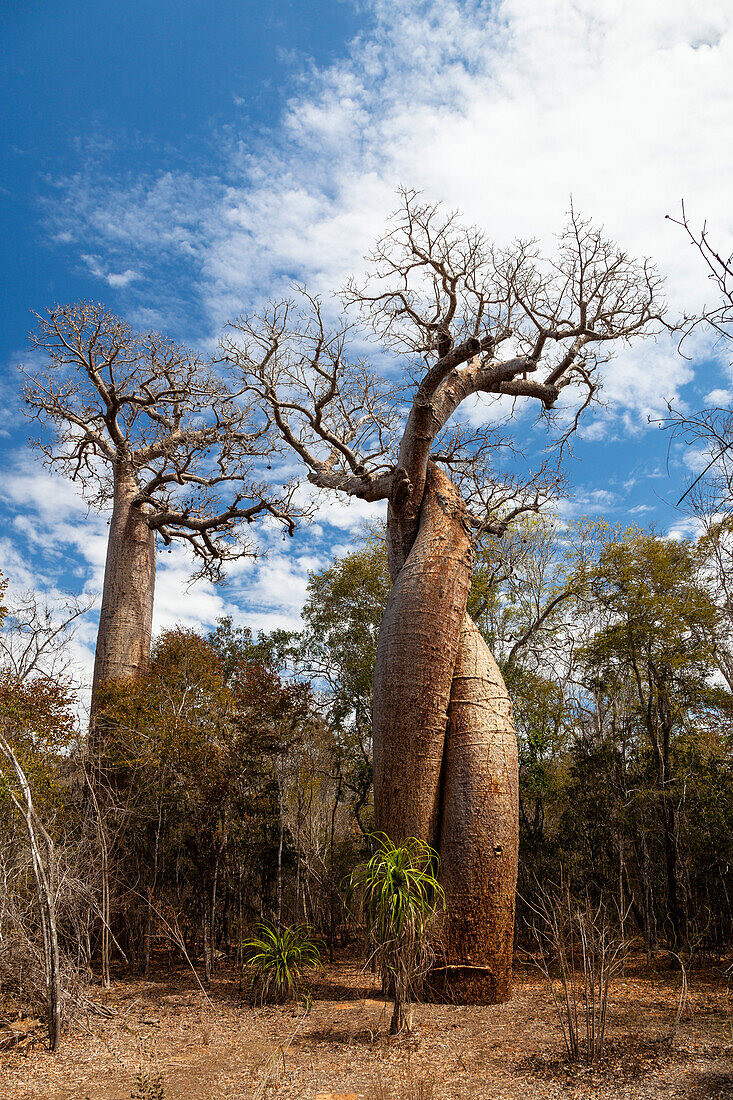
(467, 985)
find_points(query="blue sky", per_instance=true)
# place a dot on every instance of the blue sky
(182, 161)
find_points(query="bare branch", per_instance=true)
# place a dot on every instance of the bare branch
(337, 415)
(440, 293)
(35, 637)
(720, 272)
(137, 408)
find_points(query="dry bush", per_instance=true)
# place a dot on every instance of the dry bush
(581, 949)
(23, 969)
(22, 963)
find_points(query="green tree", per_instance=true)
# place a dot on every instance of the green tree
(209, 739)
(651, 661)
(346, 601)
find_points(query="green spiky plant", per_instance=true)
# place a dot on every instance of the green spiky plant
(279, 957)
(402, 899)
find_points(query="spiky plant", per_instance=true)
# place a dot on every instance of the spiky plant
(279, 957)
(402, 898)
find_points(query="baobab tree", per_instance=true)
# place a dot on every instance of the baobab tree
(145, 427)
(467, 319)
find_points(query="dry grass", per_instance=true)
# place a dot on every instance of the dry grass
(207, 1048)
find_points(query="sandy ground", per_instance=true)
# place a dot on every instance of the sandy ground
(197, 1045)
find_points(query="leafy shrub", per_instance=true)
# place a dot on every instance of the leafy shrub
(279, 958)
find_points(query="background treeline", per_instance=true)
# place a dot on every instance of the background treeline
(232, 782)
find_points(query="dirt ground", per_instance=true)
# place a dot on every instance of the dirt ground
(166, 1032)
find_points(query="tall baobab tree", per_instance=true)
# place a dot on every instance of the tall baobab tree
(147, 429)
(468, 319)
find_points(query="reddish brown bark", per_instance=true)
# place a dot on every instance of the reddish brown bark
(479, 833)
(126, 618)
(449, 300)
(416, 653)
(445, 754)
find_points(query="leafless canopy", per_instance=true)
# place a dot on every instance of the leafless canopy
(710, 430)
(720, 272)
(472, 319)
(122, 403)
(37, 636)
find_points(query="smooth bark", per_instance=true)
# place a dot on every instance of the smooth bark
(479, 836)
(126, 618)
(445, 753)
(416, 654)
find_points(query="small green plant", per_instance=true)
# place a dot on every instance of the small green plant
(402, 898)
(279, 958)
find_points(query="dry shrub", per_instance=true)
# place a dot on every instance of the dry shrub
(22, 963)
(581, 949)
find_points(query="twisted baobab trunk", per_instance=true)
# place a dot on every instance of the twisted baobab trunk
(445, 761)
(126, 618)
(445, 756)
(416, 656)
(479, 828)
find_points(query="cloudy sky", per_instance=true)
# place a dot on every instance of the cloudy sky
(183, 161)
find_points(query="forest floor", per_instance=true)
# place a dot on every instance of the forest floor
(200, 1045)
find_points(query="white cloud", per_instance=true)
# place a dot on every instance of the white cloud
(27, 484)
(124, 278)
(177, 601)
(350, 514)
(113, 279)
(695, 459)
(719, 397)
(595, 502)
(503, 110)
(276, 584)
(687, 527)
(644, 378)
(10, 404)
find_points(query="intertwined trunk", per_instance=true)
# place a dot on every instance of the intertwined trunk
(126, 618)
(480, 828)
(445, 755)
